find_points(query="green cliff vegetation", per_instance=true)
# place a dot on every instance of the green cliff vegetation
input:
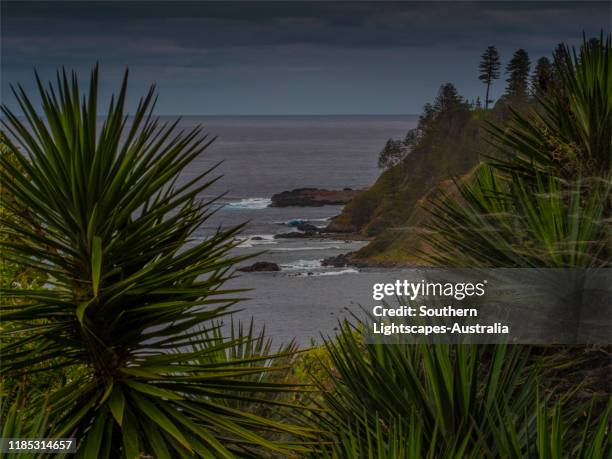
(445, 144)
(451, 139)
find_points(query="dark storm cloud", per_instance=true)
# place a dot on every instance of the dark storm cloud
(249, 57)
(376, 24)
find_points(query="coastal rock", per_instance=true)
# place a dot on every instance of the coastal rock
(351, 259)
(337, 225)
(295, 235)
(339, 261)
(306, 227)
(312, 197)
(260, 266)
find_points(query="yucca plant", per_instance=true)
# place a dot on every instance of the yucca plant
(253, 350)
(400, 439)
(451, 392)
(403, 439)
(127, 288)
(460, 401)
(558, 437)
(521, 223)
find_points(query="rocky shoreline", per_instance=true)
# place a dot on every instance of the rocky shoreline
(349, 259)
(335, 229)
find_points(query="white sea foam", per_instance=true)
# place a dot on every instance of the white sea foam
(256, 239)
(338, 273)
(298, 249)
(305, 220)
(300, 265)
(250, 203)
(331, 273)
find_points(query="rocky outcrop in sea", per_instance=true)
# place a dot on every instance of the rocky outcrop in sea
(313, 197)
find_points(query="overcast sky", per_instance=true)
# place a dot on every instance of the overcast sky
(285, 57)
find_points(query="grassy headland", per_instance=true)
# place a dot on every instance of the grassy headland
(448, 143)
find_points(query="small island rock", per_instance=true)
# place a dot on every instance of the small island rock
(294, 235)
(312, 197)
(260, 266)
(306, 227)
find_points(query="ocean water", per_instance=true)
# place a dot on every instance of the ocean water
(261, 156)
(266, 155)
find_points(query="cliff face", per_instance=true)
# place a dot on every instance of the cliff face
(404, 244)
(393, 210)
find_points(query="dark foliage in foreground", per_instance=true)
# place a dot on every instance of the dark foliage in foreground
(126, 285)
(414, 401)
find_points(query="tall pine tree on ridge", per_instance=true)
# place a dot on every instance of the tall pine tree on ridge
(518, 74)
(489, 70)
